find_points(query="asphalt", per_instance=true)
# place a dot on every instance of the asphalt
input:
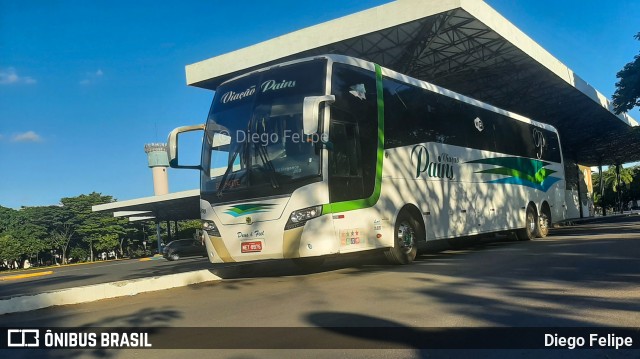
(83, 283)
(40, 280)
(582, 276)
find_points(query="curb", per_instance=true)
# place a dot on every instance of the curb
(51, 267)
(25, 275)
(95, 292)
(589, 220)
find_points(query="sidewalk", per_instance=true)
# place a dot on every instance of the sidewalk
(597, 219)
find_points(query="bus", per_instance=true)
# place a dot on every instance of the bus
(333, 154)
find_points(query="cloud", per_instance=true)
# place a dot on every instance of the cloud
(29, 136)
(91, 77)
(9, 76)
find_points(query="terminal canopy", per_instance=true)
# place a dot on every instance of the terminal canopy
(464, 46)
(175, 206)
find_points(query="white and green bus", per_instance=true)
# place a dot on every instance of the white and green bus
(332, 154)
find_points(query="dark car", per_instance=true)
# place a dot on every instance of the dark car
(183, 248)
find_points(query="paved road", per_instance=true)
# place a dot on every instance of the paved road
(94, 273)
(579, 276)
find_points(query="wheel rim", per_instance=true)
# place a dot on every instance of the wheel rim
(406, 237)
(532, 222)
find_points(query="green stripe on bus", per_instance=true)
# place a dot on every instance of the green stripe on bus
(373, 199)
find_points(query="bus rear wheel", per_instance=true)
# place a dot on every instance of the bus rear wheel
(405, 246)
(531, 223)
(542, 227)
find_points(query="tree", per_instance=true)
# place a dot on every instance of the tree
(106, 242)
(627, 95)
(634, 189)
(30, 233)
(78, 254)
(188, 228)
(59, 232)
(6, 217)
(611, 178)
(10, 251)
(95, 229)
(61, 237)
(617, 191)
(70, 228)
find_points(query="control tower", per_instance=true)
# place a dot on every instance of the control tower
(158, 162)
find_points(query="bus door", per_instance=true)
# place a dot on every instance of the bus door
(353, 133)
(345, 170)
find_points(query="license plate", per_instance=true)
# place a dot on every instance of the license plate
(249, 247)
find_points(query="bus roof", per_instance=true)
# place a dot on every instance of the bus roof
(409, 80)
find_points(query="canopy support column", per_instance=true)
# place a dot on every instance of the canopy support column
(159, 235)
(580, 181)
(619, 190)
(604, 208)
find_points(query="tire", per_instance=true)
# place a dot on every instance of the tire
(174, 256)
(542, 225)
(405, 246)
(531, 223)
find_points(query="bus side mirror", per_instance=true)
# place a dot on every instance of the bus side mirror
(172, 145)
(310, 112)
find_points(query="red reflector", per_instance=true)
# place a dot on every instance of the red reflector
(378, 235)
(339, 216)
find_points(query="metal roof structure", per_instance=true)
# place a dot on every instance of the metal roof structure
(167, 207)
(461, 45)
(464, 46)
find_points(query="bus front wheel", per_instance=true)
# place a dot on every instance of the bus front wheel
(405, 246)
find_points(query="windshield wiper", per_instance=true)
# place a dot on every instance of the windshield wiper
(264, 157)
(223, 180)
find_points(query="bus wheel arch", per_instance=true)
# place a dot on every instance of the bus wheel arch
(544, 220)
(409, 233)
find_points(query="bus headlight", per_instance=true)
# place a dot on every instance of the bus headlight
(300, 217)
(210, 228)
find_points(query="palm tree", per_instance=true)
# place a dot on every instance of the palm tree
(610, 178)
(614, 185)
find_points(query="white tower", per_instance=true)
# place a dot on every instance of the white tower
(158, 162)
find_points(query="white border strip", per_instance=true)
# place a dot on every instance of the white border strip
(95, 292)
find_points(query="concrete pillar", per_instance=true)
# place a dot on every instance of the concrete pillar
(159, 234)
(604, 208)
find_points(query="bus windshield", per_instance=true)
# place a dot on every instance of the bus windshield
(254, 144)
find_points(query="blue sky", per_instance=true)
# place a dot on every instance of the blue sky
(85, 84)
